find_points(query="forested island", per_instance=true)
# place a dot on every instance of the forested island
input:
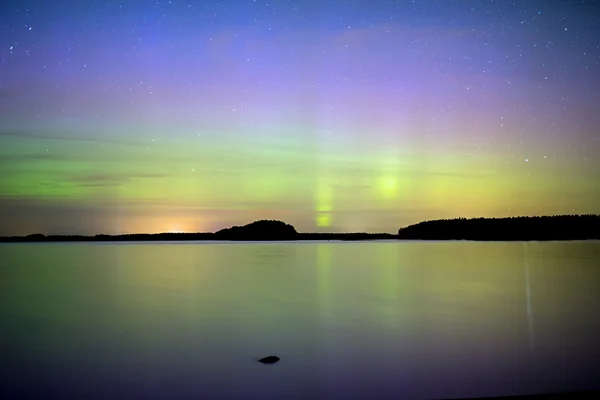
(557, 227)
(560, 227)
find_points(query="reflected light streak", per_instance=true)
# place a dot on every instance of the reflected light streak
(528, 295)
(324, 278)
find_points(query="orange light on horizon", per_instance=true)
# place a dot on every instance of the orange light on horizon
(152, 225)
(180, 227)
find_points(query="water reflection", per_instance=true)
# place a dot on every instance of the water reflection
(389, 285)
(324, 288)
(155, 283)
(352, 320)
(528, 295)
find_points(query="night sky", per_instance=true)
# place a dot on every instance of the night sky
(155, 116)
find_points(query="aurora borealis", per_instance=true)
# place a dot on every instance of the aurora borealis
(155, 116)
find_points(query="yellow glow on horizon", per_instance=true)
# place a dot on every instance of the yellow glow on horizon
(323, 219)
(163, 224)
(179, 227)
(324, 205)
(388, 186)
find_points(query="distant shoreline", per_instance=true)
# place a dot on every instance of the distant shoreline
(517, 229)
(224, 241)
(195, 237)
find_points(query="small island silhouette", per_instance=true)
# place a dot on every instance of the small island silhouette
(542, 228)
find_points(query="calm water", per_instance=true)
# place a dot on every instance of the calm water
(349, 320)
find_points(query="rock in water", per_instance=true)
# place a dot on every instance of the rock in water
(269, 360)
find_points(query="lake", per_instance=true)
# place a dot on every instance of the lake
(416, 320)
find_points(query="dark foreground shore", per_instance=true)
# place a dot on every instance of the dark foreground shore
(592, 394)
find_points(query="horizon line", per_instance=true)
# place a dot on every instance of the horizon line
(312, 233)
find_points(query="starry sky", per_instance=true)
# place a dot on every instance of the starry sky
(156, 116)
